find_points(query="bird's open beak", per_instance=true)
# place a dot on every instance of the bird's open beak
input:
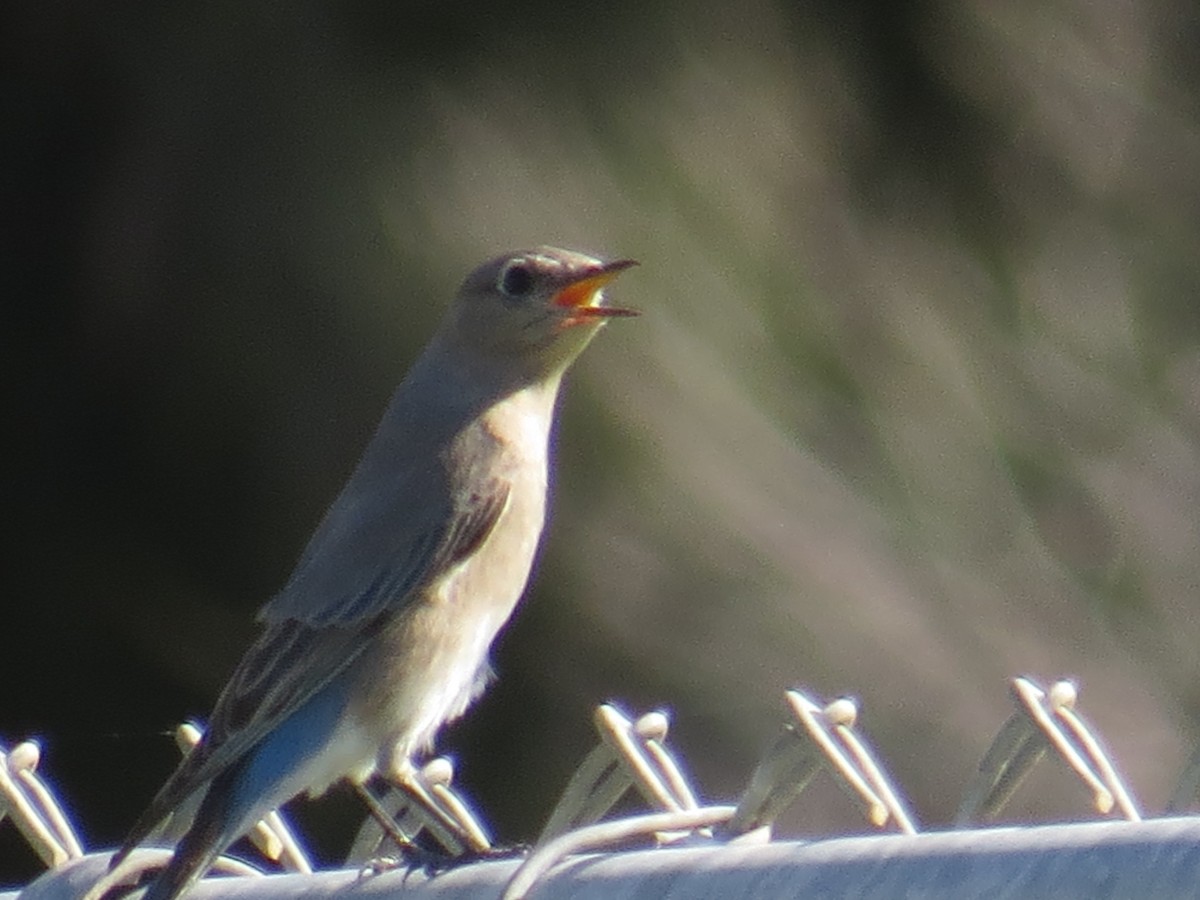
(582, 296)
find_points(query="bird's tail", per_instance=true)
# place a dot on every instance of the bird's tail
(191, 860)
(214, 828)
(173, 807)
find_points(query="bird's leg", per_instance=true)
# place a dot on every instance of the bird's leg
(411, 853)
(386, 822)
(446, 814)
(427, 803)
(429, 788)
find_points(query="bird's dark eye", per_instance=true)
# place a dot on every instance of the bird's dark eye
(515, 280)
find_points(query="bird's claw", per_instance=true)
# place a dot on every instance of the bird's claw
(415, 858)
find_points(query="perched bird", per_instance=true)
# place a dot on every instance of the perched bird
(381, 633)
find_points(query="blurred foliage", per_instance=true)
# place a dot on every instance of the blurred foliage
(914, 405)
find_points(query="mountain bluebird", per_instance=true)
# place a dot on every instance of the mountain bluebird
(382, 632)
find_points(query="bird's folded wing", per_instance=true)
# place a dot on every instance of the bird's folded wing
(306, 645)
(294, 658)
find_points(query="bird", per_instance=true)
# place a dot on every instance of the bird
(381, 633)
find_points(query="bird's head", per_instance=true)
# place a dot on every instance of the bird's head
(538, 308)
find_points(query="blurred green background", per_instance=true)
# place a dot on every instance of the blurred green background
(914, 405)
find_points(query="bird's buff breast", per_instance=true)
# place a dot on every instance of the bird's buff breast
(430, 663)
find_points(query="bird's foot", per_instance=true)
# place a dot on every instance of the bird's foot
(415, 858)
